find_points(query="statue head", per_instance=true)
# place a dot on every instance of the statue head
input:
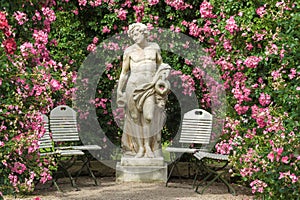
(138, 27)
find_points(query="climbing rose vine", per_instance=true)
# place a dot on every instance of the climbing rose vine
(255, 46)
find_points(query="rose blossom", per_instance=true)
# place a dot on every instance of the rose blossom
(9, 45)
(91, 47)
(3, 21)
(231, 25)
(153, 2)
(95, 40)
(49, 13)
(227, 45)
(27, 48)
(178, 4)
(293, 73)
(206, 10)
(264, 99)
(121, 13)
(258, 186)
(19, 168)
(276, 74)
(285, 159)
(252, 61)
(40, 37)
(223, 147)
(55, 84)
(271, 156)
(95, 3)
(82, 2)
(20, 17)
(261, 11)
(241, 109)
(105, 29)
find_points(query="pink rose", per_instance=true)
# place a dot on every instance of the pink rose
(271, 156)
(231, 25)
(10, 45)
(55, 84)
(252, 61)
(261, 11)
(285, 159)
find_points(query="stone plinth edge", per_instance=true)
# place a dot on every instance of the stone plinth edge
(141, 173)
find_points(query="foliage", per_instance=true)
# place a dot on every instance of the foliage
(254, 44)
(31, 82)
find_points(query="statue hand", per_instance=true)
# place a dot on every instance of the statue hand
(121, 99)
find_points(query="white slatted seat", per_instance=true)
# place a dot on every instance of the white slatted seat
(214, 171)
(200, 155)
(63, 126)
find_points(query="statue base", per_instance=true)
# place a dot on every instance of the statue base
(132, 169)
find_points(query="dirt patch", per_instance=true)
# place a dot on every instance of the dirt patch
(109, 189)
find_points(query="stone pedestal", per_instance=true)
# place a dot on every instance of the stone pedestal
(141, 170)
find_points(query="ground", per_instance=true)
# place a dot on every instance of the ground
(109, 189)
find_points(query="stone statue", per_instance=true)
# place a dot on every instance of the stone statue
(142, 91)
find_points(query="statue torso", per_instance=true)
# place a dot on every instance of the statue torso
(142, 62)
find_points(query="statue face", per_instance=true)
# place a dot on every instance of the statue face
(137, 36)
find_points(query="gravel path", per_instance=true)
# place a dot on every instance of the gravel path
(109, 189)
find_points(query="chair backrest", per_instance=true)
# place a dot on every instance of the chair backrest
(196, 127)
(45, 141)
(63, 124)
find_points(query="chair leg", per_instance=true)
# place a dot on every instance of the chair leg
(86, 163)
(174, 165)
(170, 173)
(199, 166)
(195, 179)
(229, 187)
(209, 183)
(93, 176)
(216, 176)
(79, 172)
(91, 172)
(55, 184)
(202, 181)
(72, 180)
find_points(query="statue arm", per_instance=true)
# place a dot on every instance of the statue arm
(159, 60)
(123, 77)
(160, 63)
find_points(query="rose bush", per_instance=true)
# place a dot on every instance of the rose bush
(254, 44)
(31, 82)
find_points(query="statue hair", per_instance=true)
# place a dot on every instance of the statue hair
(142, 28)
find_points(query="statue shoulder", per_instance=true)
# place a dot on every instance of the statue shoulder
(128, 50)
(154, 46)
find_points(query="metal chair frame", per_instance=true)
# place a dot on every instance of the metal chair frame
(217, 172)
(63, 126)
(46, 148)
(196, 129)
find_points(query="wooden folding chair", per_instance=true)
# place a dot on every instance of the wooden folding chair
(63, 125)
